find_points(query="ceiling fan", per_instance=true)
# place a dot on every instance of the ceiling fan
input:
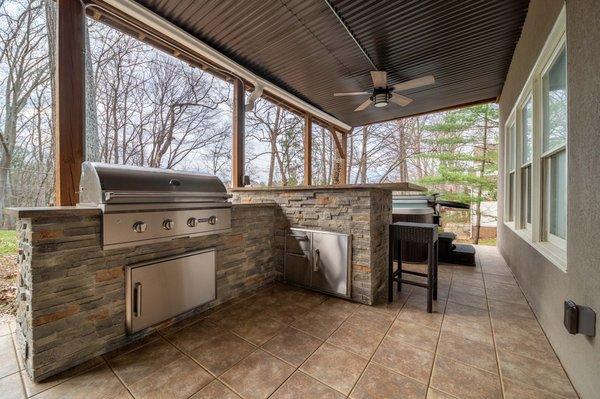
(382, 94)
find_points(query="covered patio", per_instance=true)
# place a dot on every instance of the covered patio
(482, 341)
(497, 329)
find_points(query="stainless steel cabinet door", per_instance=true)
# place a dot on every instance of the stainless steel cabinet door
(330, 262)
(158, 291)
(297, 269)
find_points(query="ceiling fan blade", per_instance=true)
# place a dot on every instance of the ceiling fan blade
(352, 93)
(412, 84)
(364, 105)
(379, 78)
(400, 99)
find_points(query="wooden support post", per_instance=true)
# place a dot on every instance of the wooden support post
(344, 160)
(338, 143)
(70, 100)
(239, 124)
(340, 172)
(307, 150)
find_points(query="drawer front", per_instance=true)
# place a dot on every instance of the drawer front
(298, 242)
(297, 269)
(161, 290)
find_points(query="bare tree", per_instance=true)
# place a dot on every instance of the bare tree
(277, 137)
(22, 51)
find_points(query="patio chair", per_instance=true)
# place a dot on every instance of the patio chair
(416, 233)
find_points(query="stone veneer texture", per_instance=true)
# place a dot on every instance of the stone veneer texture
(71, 299)
(363, 213)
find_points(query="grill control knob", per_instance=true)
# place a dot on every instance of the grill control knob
(139, 227)
(191, 222)
(212, 220)
(168, 224)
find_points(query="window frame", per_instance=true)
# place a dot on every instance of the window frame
(535, 233)
(523, 223)
(546, 156)
(510, 169)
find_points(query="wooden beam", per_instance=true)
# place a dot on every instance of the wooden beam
(307, 150)
(338, 143)
(239, 124)
(70, 100)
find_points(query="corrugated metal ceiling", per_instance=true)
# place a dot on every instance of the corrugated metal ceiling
(301, 46)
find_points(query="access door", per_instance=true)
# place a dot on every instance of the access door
(330, 263)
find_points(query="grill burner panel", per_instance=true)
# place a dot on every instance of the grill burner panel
(146, 205)
(120, 228)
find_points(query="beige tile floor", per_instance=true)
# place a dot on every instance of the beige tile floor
(483, 341)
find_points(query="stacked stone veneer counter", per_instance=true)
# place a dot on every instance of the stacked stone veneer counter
(71, 294)
(362, 211)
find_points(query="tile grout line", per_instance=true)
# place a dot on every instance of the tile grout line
(500, 377)
(313, 352)
(117, 376)
(259, 347)
(16, 354)
(193, 360)
(524, 355)
(437, 344)
(370, 361)
(215, 377)
(256, 349)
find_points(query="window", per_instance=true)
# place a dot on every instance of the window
(527, 155)
(554, 156)
(510, 192)
(536, 153)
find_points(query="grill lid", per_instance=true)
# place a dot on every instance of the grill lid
(120, 184)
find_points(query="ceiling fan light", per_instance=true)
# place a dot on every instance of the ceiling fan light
(380, 100)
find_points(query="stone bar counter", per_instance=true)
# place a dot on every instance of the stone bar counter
(71, 294)
(362, 211)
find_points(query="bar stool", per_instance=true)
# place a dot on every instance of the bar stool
(422, 233)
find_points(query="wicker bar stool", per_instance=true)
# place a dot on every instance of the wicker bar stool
(423, 233)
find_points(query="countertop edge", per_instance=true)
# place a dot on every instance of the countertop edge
(383, 186)
(53, 211)
(254, 205)
(50, 211)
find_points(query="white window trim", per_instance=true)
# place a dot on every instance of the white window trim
(554, 248)
(510, 141)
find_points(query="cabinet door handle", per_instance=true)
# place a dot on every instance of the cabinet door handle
(316, 261)
(137, 308)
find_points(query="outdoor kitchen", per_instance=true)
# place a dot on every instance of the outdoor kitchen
(149, 247)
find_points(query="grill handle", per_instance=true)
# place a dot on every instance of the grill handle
(137, 306)
(316, 260)
(109, 195)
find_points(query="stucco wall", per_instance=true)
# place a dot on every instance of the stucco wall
(545, 286)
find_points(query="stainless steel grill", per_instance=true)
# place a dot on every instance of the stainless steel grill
(145, 205)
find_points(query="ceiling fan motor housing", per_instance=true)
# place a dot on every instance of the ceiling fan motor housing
(381, 96)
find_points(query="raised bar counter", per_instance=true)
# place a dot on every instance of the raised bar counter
(363, 211)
